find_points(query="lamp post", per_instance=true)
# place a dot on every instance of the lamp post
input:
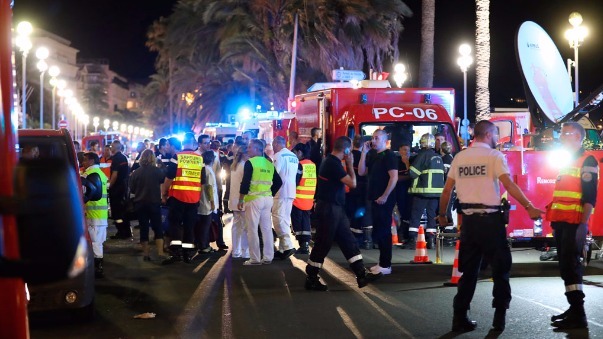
(95, 123)
(576, 36)
(24, 29)
(106, 124)
(54, 71)
(400, 74)
(42, 54)
(115, 126)
(464, 61)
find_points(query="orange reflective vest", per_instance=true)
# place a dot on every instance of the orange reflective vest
(186, 186)
(567, 205)
(304, 195)
(105, 166)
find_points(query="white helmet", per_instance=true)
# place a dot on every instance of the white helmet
(427, 141)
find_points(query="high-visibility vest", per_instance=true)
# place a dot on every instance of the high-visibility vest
(566, 205)
(186, 187)
(97, 212)
(105, 166)
(261, 178)
(304, 195)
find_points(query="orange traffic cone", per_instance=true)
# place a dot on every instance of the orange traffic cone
(421, 256)
(456, 275)
(395, 240)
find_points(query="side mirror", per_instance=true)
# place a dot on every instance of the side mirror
(50, 221)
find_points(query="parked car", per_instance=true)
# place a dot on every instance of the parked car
(75, 293)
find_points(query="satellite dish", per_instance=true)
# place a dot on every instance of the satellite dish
(544, 72)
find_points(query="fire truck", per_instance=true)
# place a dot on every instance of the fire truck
(103, 139)
(41, 211)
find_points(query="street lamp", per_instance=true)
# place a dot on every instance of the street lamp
(576, 36)
(24, 29)
(106, 124)
(54, 72)
(115, 126)
(42, 54)
(400, 74)
(95, 123)
(464, 61)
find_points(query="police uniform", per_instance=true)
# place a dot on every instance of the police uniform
(576, 185)
(259, 184)
(184, 195)
(476, 171)
(285, 164)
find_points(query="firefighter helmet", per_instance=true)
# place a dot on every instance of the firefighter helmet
(427, 141)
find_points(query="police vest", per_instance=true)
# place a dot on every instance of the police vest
(304, 195)
(428, 170)
(105, 166)
(566, 205)
(261, 178)
(186, 187)
(97, 212)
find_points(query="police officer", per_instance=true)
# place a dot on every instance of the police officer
(427, 172)
(182, 192)
(476, 173)
(333, 222)
(573, 202)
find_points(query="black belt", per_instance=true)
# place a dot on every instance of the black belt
(479, 206)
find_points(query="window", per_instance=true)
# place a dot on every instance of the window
(411, 133)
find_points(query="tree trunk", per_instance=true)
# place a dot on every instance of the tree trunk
(482, 64)
(427, 34)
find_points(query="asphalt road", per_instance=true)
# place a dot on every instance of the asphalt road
(218, 297)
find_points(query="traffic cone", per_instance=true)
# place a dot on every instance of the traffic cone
(456, 275)
(395, 240)
(421, 256)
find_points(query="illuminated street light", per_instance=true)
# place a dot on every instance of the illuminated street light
(115, 125)
(400, 75)
(106, 124)
(464, 61)
(575, 36)
(95, 123)
(22, 41)
(42, 55)
(54, 72)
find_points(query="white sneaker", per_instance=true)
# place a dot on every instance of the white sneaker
(251, 263)
(383, 270)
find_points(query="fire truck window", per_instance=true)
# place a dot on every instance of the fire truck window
(401, 133)
(505, 131)
(351, 132)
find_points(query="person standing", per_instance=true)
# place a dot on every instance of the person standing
(316, 146)
(95, 147)
(333, 222)
(285, 164)
(259, 184)
(304, 197)
(182, 192)
(403, 197)
(381, 166)
(96, 212)
(118, 190)
(356, 205)
(477, 173)
(574, 200)
(145, 184)
(139, 148)
(240, 246)
(427, 172)
(105, 161)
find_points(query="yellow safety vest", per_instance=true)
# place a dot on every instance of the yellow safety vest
(98, 211)
(261, 178)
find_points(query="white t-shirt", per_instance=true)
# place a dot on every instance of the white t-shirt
(285, 163)
(475, 171)
(236, 176)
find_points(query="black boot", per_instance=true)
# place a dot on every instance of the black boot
(560, 316)
(368, 237)
(366, 277)
(313, 284)
(461, 323)
(575, 317)
(304, 248)
(98, 268)
(498, 323)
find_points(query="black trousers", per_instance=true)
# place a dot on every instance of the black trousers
(570, 240)
(333, 226)
(404, 202)
(382, 230)
(149, 212)
(300, 220)
(182, 219)
(201, 231)
(483, 236)
(117, 200)
(420, 204)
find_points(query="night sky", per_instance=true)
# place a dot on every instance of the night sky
(115, 29)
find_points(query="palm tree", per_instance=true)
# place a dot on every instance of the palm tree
(482, 60)
(427, 36)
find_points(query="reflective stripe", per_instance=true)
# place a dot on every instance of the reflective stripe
(186, 188)
(175, 243)
(266, 194)
(590, 169)
(304, 196)
(570, 207)
(413, 229)
(306, 233)
(574, 287)
(104, 164)
(567, 194)
(315, 264)
(412, 168)
(430, 230)
(426, 190)
(570, 171)
(355, 230)
(436, 171)
(187, 245)
(96, 208)
(188, 179)
(174, 161)
(259, 182)
(355, 258)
